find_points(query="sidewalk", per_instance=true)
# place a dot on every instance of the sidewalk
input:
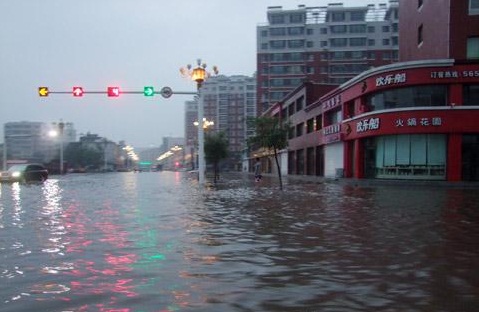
(272, 179)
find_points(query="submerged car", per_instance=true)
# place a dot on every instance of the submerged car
(25, 173)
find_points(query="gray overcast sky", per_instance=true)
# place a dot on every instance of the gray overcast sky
(127, 43)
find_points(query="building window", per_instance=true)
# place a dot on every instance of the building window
(299, 129)
(415, 156)
(357, 42)
(357, 29)
(385, 29)
(357, 16)
(473, 7)
(264, 33)
(337, 17)
(277, 19)
(324, 31)
(296, 18)
(295, 43)
(418, 96)
(371, 29)
(309, 44)
(471, 95)
(338, 55)
(420, 35)
(473, 47)
(371, 42)
(295, 31)
(309, 31)
(395, 27)
(277, 44)
(356, 55)
(277, 31)
(339, 42)
(385, 42)
(338, 29)
(300, 104)
(291, 110)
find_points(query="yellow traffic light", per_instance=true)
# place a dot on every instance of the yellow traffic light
(43, 91)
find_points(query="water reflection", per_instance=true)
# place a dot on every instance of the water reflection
(154, 242)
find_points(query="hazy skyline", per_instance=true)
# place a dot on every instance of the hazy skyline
(131, 44)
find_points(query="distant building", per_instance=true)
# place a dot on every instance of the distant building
(228, 102)
(34, 142)
(191, 116)
(326, 44)
(173, 154)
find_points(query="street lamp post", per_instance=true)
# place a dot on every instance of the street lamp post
(199, 74)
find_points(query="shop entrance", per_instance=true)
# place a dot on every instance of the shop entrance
(470, 157)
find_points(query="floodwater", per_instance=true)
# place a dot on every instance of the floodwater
(124, 242)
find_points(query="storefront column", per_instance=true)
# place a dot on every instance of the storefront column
(454, 157)
(358, 159)
(348, 159)
(455, 95)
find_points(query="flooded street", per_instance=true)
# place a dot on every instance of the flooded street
(154, 242)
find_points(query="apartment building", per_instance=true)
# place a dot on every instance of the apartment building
(327, 44)
(228, 102)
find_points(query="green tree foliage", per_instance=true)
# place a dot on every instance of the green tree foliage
(216, 149)
(79, 156)
(270, 134)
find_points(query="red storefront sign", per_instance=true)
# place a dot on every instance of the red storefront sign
(450, 120)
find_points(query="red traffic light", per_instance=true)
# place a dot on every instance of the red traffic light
(113, 91)
(77, 91)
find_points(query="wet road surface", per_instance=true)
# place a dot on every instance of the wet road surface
(155, 242)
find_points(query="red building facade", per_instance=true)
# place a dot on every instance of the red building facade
(412, 120)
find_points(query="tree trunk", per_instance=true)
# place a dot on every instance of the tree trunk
(279, 168)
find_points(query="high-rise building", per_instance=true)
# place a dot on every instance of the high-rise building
(327, 44)
(191, 116)
(228, 102)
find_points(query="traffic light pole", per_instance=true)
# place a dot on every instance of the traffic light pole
(201, 140)
(165, 92)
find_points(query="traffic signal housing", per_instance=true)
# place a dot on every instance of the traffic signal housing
(77, 91)
(113, 91)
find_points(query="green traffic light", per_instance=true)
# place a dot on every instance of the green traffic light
(148, 91)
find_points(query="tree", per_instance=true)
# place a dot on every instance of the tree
(271, 134)
(79, 156)
(216, 149)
